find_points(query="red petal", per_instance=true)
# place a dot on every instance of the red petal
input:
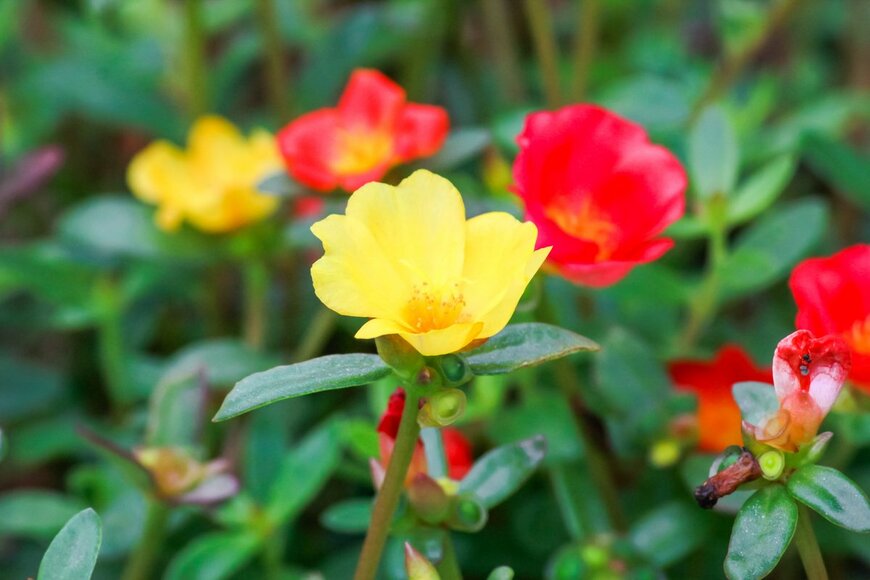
(817, 366)
(421, 131)
(309, 146)
(371, 101)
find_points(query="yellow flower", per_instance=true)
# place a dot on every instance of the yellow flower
(407, 258)
(212, 184)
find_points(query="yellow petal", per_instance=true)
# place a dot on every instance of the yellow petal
(356, 277)
(379, 327)
(500, 260)
(419, 225)
(445, 340)
(155, 171)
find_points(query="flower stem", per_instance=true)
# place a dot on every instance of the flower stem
(388, 496)
(448, 568)
(500, 33)
(194, 56)
(256, 287)
(731, 68)
(318, 332)
(808, 547)
(571, 514)
(110, 339)
(585, 45)
(541, 27)
(141, 563)
(276, 80)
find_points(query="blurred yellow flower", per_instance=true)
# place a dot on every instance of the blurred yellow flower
(212, 184)
(406, 257)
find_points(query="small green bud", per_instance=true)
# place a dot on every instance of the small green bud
(664, 452)
(595, 556)
(417, 566)
(442, 408)
(454, 369)
(428, 499)
(399, 355)
(468, 515)
(772, 463)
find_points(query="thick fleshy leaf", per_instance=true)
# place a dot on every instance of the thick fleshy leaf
(503, 470)
(762, 532)
(501, 573)
(713, 154)
(833, 495)
(303, 472)
(525, 345)
(757, 401)
(760, 190)
(768, 249)
(35, 514)
(840, 165)
(213, 556)
(349, 517)
(337, 371)
(670, 532)
(73, 552)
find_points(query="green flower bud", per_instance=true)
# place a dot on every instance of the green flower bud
(468, 515)
(454, 369)
(772, 464)
(400, 356)
(442, 408)
(417, 566)
(428, 499)
(665, 452)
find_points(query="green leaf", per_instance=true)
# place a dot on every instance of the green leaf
(841, 166)
(336, 371)
(461, 146)
(713, 154)
(26, 388)
(303, 472)
(279, 184)
(833, 495)
(767, 251)
(762, 532)
(502, 471)
(501, 573)
(544, 414)
(525, 345)
(760, 190)
(35, 514)
(213, 556)
(175, 411)
(757, 401)
(224, 361)
(670, 532)
(72, 554)
(348, 517)
(629, 377)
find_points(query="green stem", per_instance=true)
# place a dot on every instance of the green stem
(433, 445)
(448, 568)
(276, 79)
(388, 496)
(541, 28)
(141, 563)
(110, 338)
(316, 334)
(731, 68)
(194, 56)
(272, 555)
(256, 288)
(500, 32)
(808, 547)
(703, 305)
(571, 514)
(585, 45)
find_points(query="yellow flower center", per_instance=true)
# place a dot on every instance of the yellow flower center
(432, 309)
(858, 337)
(361, 151)
(586, 223)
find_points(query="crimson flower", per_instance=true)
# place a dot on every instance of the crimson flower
(457, 449)
(808, 373)
(372, 129)
(711, 381)
(833, 297)
(598, 190)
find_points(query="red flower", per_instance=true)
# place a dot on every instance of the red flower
(833, 297)
(457, 449)
(598, 191)
(808, 373)
(372, 129)
(718, 414)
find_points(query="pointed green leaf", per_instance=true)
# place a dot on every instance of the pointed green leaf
(336, 371)
(713, 154)
(757, 401)
(760, 190)
(502, 471)
(213, 556)
(842, 166)
(73, 552)
(525, 345)
(36, 514)
(670, 532)
(833, 495)
(762, 532)
(348, 517)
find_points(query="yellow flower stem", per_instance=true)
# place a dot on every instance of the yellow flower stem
(141, 563)
(541, 28)
(256, 287)
(194, 58)
(388, 496)
(808, 547)
(731, 68)
(585, 45)
(275, 77)
(110, 339)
